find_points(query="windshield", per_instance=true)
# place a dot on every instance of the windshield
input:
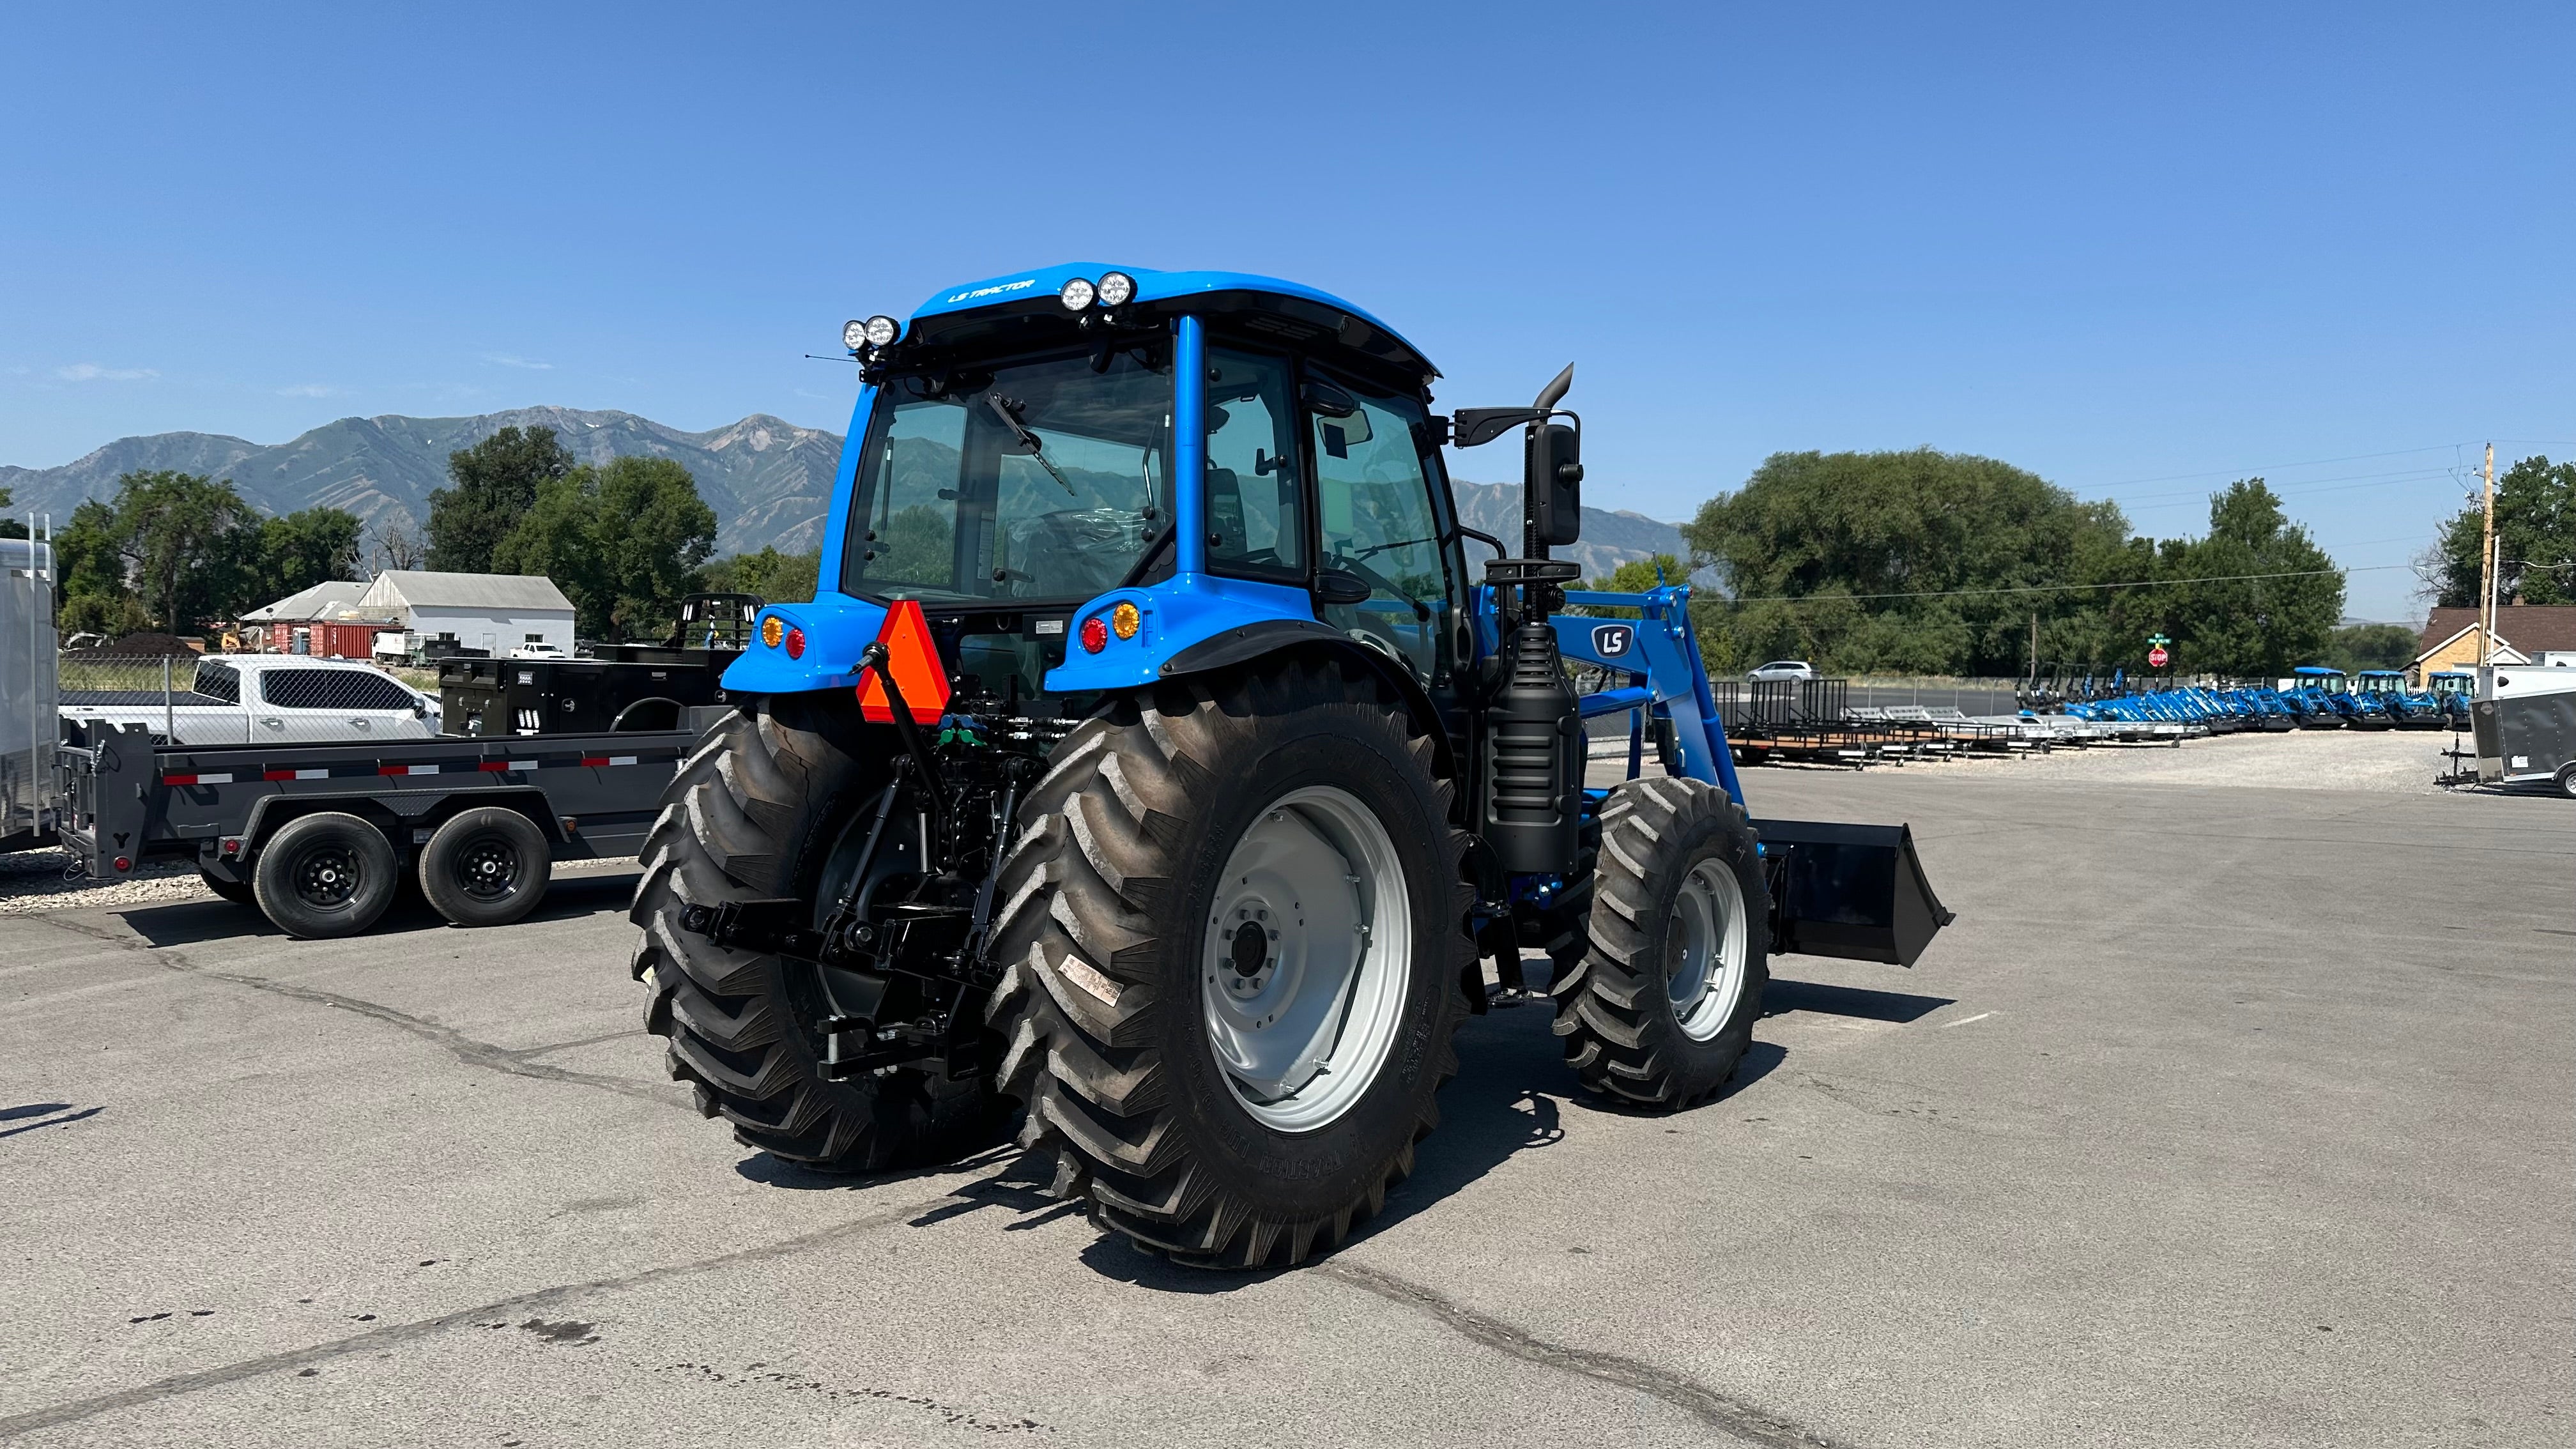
(1028, 480)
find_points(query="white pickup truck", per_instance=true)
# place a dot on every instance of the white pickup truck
(241, 699)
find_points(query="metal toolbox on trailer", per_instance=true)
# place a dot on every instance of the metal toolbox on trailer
(505, 698)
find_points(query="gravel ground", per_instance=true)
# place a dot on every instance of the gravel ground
(2380, 762)
(32, 881)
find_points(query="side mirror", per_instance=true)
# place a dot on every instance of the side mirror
(1554, 483)
(1340, 586)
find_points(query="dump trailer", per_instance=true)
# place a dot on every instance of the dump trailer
(1153, 765)
(30, 787)
(319, 836)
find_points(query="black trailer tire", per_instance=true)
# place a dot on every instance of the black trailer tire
(325, 875)
(1116, 998)
(753, 814)
(487, 866)
(1678, 905)
(239, 892)
(2567, 780)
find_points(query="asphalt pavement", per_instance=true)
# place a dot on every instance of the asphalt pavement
(2221, 1116)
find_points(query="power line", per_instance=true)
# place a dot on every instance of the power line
(2278, 467)
(2058, 588)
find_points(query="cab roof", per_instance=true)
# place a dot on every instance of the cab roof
(1218, 288)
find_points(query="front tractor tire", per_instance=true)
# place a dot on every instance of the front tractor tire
(758, 811)
(1660, 1005)
(1234, 927)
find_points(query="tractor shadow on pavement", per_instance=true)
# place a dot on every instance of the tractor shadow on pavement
(1510, 1096)
(190, 923)
(1860, 1003)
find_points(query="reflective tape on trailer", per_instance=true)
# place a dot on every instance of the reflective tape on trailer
(362, 770)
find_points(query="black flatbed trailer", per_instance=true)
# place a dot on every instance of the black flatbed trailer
(446, 811)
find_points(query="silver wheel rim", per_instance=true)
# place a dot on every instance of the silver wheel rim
(1706, 950)
(1309, 944)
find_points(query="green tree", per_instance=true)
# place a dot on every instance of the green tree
(624, 542)
(1899, 561)
(497, 482)
(2536, 528)
(177, 536)
(2369, 646)
(9, 527)
(2225, 623)
(776, 577)
(297, 551)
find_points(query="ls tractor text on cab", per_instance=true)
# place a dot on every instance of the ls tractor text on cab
(1150, 763)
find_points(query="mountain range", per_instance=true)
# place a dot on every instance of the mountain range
(769, 481)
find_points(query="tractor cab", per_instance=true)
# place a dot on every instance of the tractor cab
(1017, 443)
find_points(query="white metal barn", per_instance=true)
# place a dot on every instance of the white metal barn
(493, 612)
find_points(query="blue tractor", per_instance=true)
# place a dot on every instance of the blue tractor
(2405, 708)
(2456, 690)
(1151, 766)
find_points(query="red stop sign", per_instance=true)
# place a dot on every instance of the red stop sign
(2156, 657)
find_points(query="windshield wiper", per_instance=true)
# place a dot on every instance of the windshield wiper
(1007, 411)
(1373, 550)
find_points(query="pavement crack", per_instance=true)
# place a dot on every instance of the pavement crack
(1722, 1412)
(467, 1050)
(396, 1335)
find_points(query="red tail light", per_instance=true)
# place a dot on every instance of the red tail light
(1095, 635)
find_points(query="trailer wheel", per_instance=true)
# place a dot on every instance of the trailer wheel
(235, 891)
(323, 875)
(486, 867)
(2567, 780)
(1661, 1006)
(1235, 928)
(757, 812)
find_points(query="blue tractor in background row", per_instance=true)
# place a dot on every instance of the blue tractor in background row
(2405, 708)
(2457, 692)
(1150, 766)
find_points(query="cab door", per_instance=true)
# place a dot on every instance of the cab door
(1377, 522)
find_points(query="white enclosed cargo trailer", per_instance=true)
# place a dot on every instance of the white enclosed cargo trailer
(30, 781)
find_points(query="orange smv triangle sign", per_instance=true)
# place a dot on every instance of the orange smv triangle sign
(914, 661)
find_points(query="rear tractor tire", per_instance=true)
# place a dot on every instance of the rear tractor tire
(1234, 923)
(1661, 1006)
(759, 811)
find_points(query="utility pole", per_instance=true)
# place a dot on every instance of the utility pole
(2487, 571)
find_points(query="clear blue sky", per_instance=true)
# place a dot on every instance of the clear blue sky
(2139, 250)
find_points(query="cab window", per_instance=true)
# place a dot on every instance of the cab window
(1255, 503)
(1374, 520)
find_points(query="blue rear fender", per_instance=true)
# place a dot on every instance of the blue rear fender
(1185, 625)
(836, 627)
(1188, 623)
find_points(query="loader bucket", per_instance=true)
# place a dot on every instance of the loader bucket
(1855, 891)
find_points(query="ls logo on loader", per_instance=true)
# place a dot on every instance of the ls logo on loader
(1612, 640)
